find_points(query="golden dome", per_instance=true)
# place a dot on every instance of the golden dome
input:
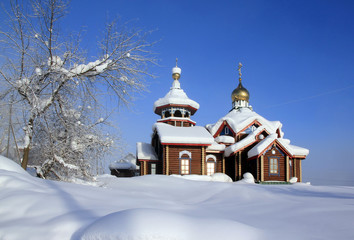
(240, 93)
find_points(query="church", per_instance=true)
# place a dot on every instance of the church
(239, 142)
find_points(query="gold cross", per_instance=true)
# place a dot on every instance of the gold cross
(239, 71)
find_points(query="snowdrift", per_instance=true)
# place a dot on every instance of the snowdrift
(164, 207)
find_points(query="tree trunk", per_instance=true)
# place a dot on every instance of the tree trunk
(26, 150)
(25, 157)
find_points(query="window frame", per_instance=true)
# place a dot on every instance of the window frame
(151, 168)
(181, 160)
(272, 171)
(207, 167)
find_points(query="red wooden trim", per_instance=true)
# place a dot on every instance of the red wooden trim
(175, 105)
(185, 144)
(147, 160)
(253, 122)
(177, 120)
(224, 123)
(244, 147)
(283, 148)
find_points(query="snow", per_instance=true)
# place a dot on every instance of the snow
(176, 70)
(122, 164)
(225, 139)
(128, 162)
(261, 146)
(216, 147)
(251, 138)
(9, 165)
(175, 96)
(164, 207)
(145, 151)
(292, 149)
(186, 135)
(240, 118)
(216, 177)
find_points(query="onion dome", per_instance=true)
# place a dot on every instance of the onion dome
(176, 97)
(240, 93)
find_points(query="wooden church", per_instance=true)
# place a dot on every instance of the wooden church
(241, 141)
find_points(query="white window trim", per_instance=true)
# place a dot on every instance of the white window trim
(210, 156)
(185, 152)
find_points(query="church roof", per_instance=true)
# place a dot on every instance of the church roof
(183, 135)
(176, 96)
(145, 151)
(242, 118)
(292, 150)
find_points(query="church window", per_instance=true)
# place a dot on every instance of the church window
(273, 166)
(184, 166)
(153, 168)
(226, 131)
(178, 113)
(210, 168)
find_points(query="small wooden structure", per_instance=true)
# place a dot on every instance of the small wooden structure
(125, 167)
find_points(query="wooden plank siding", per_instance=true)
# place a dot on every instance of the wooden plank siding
(281, 165)
(174, 161)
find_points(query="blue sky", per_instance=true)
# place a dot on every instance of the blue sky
(298, 59)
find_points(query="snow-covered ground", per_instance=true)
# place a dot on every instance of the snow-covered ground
(165, 207)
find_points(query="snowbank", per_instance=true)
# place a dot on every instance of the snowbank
(164, 207)
(9, 165)
(138, 224)
(216, 177)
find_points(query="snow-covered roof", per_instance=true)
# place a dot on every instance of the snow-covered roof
(176, 96)
(251, 138)
(216, 147)
(128, 162)
(122, 164)
(145, 151)
(239, 119)
(225, 139)
(294, 151)
(261, 146)
(183, 135)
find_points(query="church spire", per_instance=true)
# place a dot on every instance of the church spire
(240, 95)
(239, 72)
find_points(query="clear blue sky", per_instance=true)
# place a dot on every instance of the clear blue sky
(298, 59)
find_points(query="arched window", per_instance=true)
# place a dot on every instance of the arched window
(167, 114)
(186, 115)
(185, 162)
(178, 113)
(211, 164)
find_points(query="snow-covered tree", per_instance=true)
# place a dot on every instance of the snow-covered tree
(45, 69)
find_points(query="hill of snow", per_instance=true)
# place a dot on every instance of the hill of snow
(164, 207)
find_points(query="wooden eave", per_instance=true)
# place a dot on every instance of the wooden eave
(185, 144)
(278, 144)
(177, 120)
(147, 160)
(224, 123)
(256, 141)
(253, 122)
(159, 109)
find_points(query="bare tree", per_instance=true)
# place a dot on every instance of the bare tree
(43, 66)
